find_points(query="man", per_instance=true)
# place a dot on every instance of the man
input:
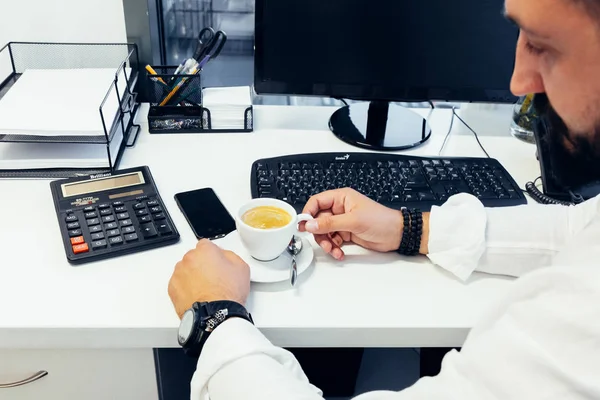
(543, 339)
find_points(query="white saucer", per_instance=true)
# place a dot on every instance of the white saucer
(277, 270)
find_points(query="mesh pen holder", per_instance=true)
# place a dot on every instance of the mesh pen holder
(175, 102)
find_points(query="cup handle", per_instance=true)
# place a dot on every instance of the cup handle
(300, 218)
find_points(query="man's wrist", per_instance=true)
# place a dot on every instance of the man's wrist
(399, 230)
(424, 248)
(204, 318)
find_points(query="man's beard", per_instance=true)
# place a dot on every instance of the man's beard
(573, 168)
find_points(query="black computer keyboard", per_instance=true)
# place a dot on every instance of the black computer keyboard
(393, 180)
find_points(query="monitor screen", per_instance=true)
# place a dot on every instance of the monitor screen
(391, 50)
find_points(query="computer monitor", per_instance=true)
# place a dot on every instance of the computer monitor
(384, 51)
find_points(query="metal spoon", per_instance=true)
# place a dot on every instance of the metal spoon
(294, 248)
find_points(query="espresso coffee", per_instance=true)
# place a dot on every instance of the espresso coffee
(266, 217)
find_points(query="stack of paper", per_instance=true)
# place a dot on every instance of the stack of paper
(57, 102)
(24, 156)
(227, 106)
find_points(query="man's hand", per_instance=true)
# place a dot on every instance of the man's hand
(208, 273)
(344, 215)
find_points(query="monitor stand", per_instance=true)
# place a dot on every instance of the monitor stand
(379, 125)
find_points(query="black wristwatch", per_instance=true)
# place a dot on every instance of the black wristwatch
(199, 321)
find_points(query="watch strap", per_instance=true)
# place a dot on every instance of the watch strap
(208, 316)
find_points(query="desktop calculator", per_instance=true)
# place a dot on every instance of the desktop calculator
(111, 214)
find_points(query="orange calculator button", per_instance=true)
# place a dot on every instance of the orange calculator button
(77, 240)
(80, 248)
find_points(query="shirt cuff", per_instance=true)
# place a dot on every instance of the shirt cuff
(234, 339)
(457, 234)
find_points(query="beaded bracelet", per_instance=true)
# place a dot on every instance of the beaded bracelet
(412, 232)
(404, 243)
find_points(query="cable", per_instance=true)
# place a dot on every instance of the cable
(471, 129)
(343, 101)
(431, 103)
(447, 134)
(541, 198)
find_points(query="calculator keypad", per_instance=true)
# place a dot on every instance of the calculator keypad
(116, 225)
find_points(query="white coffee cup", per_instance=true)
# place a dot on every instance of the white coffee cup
(268, 244)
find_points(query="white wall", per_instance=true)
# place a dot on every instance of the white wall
(62, 21)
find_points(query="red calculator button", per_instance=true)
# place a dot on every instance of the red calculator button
(80, 248)
(77, 240)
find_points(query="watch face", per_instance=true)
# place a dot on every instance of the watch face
(186, 326)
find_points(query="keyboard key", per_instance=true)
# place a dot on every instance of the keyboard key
(131, 237)
(75, 232)
(486, 195)
(120, 209)
(443, 197)
(80, 248)
(115, 240)
(123, 215)
(128, 229)
(89, 208)
(152, 203)
(93, 221)
(117, 204)
(139, 206)
(94, 229)
(108, 218)
(410, 197)
(163, 228)
(98, 236)
(91, 214)
(145, 218)
(159, 216)
(140, 213)
(99, 244)
(73, 225)
(110, 225)
(77, 240)
(103, 206)
(396, 198)
(427, 197)
(113, 232)
(105, 212)
(71, 218)
(125, 222)
(155, 210)
(148, 230)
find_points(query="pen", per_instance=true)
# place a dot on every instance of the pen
(153, 72)
(188, 65)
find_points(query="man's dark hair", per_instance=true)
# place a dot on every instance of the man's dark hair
(591, 6)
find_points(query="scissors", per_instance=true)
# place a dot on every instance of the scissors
(210, 44)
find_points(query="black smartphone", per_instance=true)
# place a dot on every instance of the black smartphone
(205, 213)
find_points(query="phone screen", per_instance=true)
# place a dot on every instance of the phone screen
(205, 213)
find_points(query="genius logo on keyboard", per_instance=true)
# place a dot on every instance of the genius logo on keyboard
(343, 158)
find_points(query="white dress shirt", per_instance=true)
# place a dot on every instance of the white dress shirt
(542, 341)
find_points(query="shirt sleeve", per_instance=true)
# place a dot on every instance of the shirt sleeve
(540, 341)
(238, 362)
(465, 237)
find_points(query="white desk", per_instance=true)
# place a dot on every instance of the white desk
(370, 300)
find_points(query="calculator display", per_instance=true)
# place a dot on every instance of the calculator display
(102, 184)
